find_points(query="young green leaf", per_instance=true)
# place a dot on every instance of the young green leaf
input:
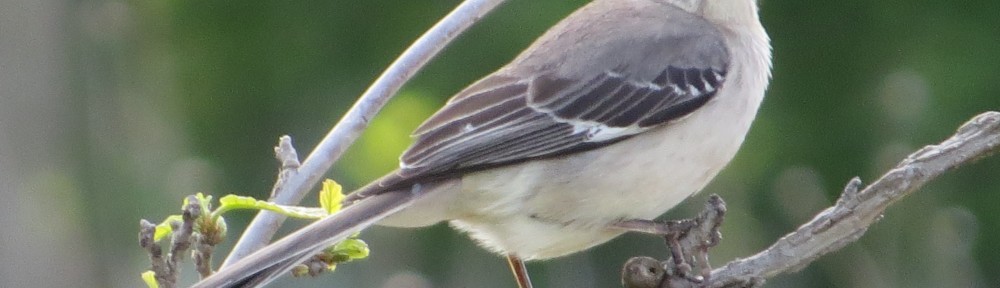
(149, 277)
(233, 202)
(330, 196)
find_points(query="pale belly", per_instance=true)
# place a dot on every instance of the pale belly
(550, 208)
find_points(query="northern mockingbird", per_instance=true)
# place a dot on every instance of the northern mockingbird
(619, 112)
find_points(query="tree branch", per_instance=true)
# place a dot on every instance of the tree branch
(855, 211)
(328, 151)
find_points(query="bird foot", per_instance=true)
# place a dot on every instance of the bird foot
(688, 241)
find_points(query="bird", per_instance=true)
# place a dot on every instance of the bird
(617, 113)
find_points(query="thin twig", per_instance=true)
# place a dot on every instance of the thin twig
(857, 209)
(164, 274)
(181, 238)
(286, 154)
(333, 145)
(202, 255)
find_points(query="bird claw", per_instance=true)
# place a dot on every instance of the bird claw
(688, 241)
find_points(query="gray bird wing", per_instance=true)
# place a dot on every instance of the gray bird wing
(502, 119)
(524, 119)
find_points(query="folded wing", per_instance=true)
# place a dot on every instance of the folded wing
(503, 120)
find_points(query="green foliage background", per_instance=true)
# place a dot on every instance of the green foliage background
(168, 98)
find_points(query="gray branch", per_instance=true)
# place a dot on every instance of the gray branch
(333, 145)
(857, 209)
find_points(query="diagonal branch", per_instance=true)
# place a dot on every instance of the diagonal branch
(857, 209)
(333, 145)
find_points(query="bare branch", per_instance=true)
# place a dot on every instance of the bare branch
(181, 238)
(165, 275)
(333, 145)
(857, 209)
(202, 255)
(286, 154)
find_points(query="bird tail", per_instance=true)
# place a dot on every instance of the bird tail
(267, 264)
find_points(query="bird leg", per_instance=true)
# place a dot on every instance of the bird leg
(520, 272)
(688, 240)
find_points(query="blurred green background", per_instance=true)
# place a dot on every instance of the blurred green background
(112, 111)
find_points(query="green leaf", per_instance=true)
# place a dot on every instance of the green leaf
(331, 196)
(353, 248)
(149, 277)
(164, 229)
(233, 202)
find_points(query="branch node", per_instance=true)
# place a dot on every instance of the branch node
(286, 154)
(289, 159)
(849, 198)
